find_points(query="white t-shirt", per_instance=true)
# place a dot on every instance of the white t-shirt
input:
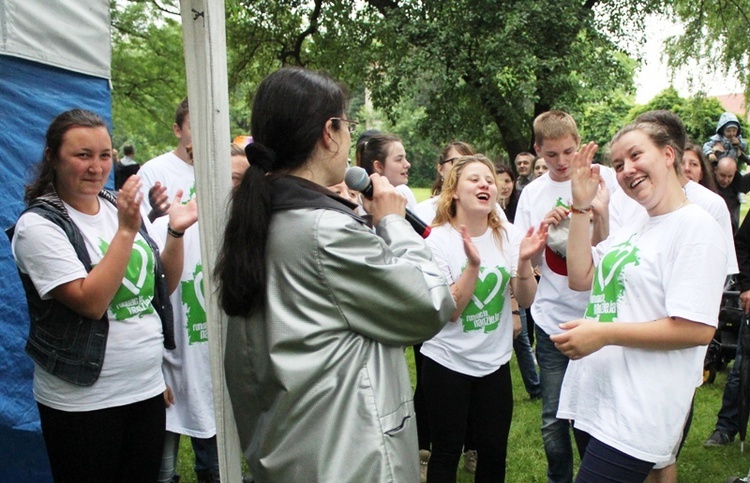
(187, 369)
(427, 209)
(131, 371)
(411, 200)
(623, 208)
(554, 302)
(481, 340)
(636, 400)
(172, 172)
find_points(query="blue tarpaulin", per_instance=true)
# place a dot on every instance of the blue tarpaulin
(31, 95)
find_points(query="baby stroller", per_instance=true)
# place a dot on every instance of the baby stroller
(723, 347)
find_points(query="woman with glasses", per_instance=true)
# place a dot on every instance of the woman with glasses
(452, 151)
(321, 306)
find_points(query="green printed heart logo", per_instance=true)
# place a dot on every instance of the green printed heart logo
(486, 304)
(134, 296)
(190, 195)
(194, 305)
(135, 286)
(560, 202)
(607, 288)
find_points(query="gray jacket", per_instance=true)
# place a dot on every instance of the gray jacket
(318, 379)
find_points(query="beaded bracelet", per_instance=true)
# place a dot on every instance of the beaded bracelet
(581, 211)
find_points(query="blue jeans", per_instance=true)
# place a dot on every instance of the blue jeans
(555, 432)
(728, 418)
(525, 358)
(206, 458)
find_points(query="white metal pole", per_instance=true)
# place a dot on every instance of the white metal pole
(204, 37)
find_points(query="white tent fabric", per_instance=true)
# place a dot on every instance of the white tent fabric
(54, 56)
(63, 33)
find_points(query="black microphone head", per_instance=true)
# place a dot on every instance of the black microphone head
(356, 178)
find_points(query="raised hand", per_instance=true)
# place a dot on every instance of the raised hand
(584, 176)
(600, 203)
(182, 217)
(471, 251)
(129, 200)
(159, 201)
(533, 243)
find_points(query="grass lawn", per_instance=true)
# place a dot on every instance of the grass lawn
(526, 460)
(527, 463)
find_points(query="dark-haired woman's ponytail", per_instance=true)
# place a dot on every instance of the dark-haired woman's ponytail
(241, 265)
(260, 156)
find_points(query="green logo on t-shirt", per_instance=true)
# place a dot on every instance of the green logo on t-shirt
(560, 202)
(195, 303)
(190, 194)
(607, 288)
(134, 296)
(486, 305)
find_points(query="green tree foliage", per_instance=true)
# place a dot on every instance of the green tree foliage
(476, 70)
(699, 113)
(148, 75)
(717, 34)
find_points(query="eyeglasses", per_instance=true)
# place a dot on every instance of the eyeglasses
(351, 124)
(449, 160)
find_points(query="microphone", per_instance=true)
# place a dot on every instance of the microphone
(357, 179)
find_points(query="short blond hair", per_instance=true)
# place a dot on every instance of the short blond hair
(554, 125)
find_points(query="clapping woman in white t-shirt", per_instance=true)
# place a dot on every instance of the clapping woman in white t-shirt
(97, 286)
(656, 286)
(466, 366)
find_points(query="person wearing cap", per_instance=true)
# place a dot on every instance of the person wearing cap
(727, 141)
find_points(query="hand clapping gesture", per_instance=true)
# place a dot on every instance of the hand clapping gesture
(533, 243)
(585, 178)
(182, 216)
(129, 205)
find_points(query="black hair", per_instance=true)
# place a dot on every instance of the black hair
(375, 149)
(289, 115)
(183, 109)
(510, 205)
(128, 150)
(45, 174)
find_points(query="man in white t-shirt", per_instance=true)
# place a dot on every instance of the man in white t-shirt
(548, 199)
(187, 369)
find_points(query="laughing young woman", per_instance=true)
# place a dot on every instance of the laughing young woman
(466, 366)
(637, 356)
